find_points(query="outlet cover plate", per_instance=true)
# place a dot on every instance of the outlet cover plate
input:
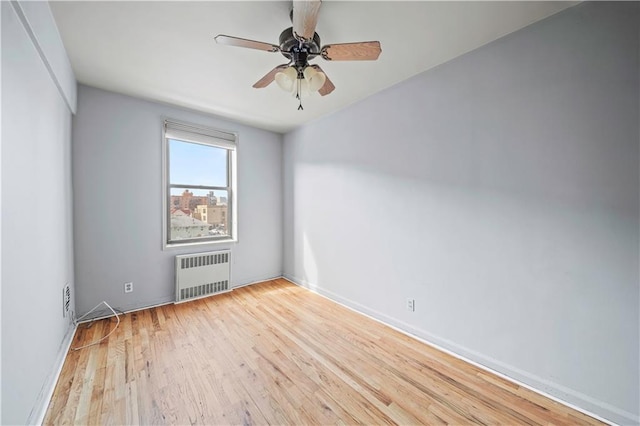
(411, 305)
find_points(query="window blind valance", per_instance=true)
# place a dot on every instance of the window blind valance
(189, 133)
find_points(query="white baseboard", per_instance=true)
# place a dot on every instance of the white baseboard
(169, 300)
(257, 279)
(36, 417)
(127, 310)
(590, 406)
(98, 315)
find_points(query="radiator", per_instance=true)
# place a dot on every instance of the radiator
(201, 275)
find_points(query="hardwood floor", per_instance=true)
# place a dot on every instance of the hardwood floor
(276, 353)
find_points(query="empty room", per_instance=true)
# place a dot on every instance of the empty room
(320, 212)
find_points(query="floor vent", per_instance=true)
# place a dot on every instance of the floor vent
(201, 275)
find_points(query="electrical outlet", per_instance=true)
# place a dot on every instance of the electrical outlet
(411, 305)
(128, 287)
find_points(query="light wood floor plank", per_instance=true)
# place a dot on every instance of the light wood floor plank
(275, 353)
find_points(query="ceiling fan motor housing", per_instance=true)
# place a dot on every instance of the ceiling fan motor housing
(299, 51)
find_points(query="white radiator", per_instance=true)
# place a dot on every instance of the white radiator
(203, 274)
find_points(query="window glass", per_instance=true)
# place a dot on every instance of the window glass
(199, 186)
(196, 164)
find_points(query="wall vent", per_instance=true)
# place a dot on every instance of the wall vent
(66, 300)
(201, 275)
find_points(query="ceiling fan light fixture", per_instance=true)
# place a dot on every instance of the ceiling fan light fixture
(300, 44)
(286, 79)
(314, 78)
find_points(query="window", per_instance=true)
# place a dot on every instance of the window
(199, 184)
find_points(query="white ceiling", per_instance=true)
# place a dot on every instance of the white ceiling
(165, 51)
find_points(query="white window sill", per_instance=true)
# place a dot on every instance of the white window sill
(199, 243)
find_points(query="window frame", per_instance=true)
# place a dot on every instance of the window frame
(205, 136)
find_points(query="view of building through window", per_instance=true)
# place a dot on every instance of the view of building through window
(198, 214)
(198, 191)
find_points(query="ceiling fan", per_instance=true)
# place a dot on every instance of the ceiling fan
(301, 44)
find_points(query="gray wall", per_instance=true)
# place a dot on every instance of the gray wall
(500, 191)
(37, 251)
(117, 181)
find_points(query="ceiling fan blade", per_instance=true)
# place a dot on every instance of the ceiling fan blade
(242, 42)
(269, 77)
(328, 86)
(305, 18)
(363, 51)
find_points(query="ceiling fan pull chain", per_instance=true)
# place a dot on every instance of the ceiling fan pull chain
(299, 96)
